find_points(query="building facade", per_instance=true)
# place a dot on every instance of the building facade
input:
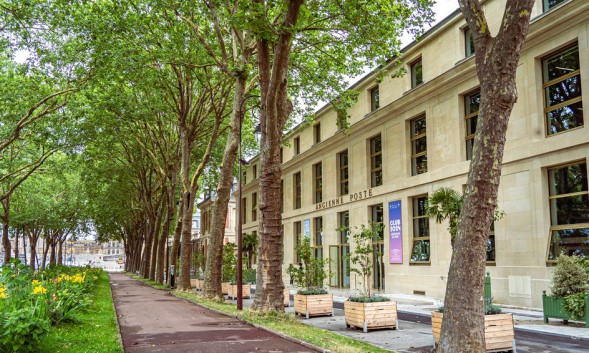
(413, 134)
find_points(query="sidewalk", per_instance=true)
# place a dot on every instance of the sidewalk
(153, 320)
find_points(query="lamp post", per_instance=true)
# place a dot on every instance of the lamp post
(239, 271)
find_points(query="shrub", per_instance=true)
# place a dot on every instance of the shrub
(364, 299)
(311, 272)
(249, 275)
(228, 271)
(364, 252)
(574, 304)
(490, 308)
(314, 291)
(569, 276)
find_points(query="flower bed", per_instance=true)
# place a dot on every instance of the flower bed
(31, 302)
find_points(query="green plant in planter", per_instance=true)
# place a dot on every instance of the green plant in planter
(569, 281)
(310, 273)
(362, 259)
(228, 271)
(490, 308)
(249, 275)
(198, 259)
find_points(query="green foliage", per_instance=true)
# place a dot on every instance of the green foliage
(198, 259)
(249, 275)
(31, 302)
(361, 257)
(365, 299)
(569, 277)
(312, 273)
(490, 308)
(229, 262)
(313, 291)
(574, 304)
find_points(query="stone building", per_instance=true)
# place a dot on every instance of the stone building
(413, 134)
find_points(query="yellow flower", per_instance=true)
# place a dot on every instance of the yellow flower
(39, 290)
(3, 293)
(35, 282)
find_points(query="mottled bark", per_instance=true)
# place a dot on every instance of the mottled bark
(16, 237)
(212, 277)
(177, 235)
(497, 59)
(275, 109)
(155, 242)
(33, 235)
(161, 252)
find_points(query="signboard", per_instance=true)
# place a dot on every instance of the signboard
(395, 233)
(307, 228)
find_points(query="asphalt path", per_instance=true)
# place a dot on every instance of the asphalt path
(153, 320)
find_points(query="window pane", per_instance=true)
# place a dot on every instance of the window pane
(377, 161)
(420, 145)
(469, 145)
(565, 118)
(561, 64)
(562, 91)
(419, 165)
(421, 227)
(569, 179)
(569, 242)
(418, 127)
(490, 248)
(548, 4)
(417, 74)
(375, 145)
(468, 42)
(471, 125)
(570, 210)
(419, 206)
(374, 99)
(420, 251)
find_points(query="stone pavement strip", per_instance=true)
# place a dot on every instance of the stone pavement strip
(152, 320)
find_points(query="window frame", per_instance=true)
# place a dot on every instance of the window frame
(317, 132)
(297, 191)
(413, 69)
(378, 245)
(413, 139)
(415, 235)
(317, 246)
(468, 42)
(375, 171)
(546, 84)
(297, 236)
(374, 98)
(318, 182)
(560, 227)
(341, 168)
(468, 116)
(546, 6)
(254, 208)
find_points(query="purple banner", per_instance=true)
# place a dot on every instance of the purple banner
(395, 233)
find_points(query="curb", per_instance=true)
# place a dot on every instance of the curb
(116, 315)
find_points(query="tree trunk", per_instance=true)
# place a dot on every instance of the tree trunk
(275, 109)
(177, 235)
(46, 245)
(184, 279)
(161, 255)
(33, 236)
(53, 244)
(212, 277)
(155, 243)
(16, 249)
(497, 59)
(5, 219)
(146, 258)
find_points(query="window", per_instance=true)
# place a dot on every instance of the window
(468, 42)
(343, 173)
(339, 264)
(418, 146)
(491, 244)
(318, 238)
(297, 190)
(548, 4)
(244, 177)
(242, 210)
(471, 115)
(317, 132)
(416, 73)
(377, 218)
(255, 171)
(318, 182)
(297, 231)
(375, 161)
(421, 241)
(281, 155)
(297, 145)
(569, 210)
(254, 206)
(374, 99)
(562, 91)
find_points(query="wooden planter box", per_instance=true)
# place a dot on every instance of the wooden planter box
(313, 305)
(553, 308)
(193, 283)
(225, 287)
(286, 297)
(371, 315)
(245, 291)
(200, 283)
(499, 334)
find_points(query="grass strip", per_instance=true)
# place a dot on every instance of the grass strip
(284, 323)
(96, 329)
(154, 284)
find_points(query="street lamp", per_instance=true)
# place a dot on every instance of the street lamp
(239, 271)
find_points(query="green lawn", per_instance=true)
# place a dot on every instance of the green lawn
(95, 331)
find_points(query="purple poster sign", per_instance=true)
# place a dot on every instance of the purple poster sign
(395, 233)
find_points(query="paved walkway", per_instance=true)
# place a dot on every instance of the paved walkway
(152, 320)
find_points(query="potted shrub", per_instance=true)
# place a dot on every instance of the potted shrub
(312, 300)
(368, 311)
(569, 299)
(228, 269)
(499, 333)
(249, 278)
